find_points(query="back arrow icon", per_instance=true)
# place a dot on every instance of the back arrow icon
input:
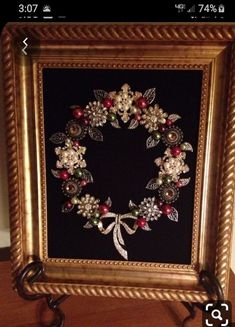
(26, 45)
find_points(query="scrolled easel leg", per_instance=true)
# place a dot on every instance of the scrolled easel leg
(53, 305)
(211, 285)
(30, 274)
(192, 313)
(214, 291)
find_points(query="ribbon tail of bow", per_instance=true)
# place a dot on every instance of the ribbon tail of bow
(119, 236)
(118, 242)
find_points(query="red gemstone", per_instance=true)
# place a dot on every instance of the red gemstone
(86, 121)
(76, 144)
(103, 209)
(64, 174)
(169, 122)
(83, 182)
(108, 103)
(68, 204)
(162, 128)
(141, 222)
(166, 209)
(138, 117)
(77, 112)
(176, 151)
(142, 102)
(159, 203)
(179, 184)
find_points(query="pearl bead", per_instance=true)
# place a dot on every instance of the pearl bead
(141, 222)
(156, 135)
(83, 182)
(111, 116)
(74, 200)
(86, 121)
(179, 184)
(159, 203)
(64, 174)
(159, 181)
(138, 117)
(169, 122)
(68, 205)
(103, 209)
(176, 151)
(183, 147)
(167, 179)
(108, 103)
(94, 221)
(78, 173)
(96, 215)
(142, 103)
(135, 212)
(77, 112)
(162, 128)
(76, 144)
(166, 209)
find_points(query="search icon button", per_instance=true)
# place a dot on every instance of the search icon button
(216, 314)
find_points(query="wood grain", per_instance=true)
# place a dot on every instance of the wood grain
(93, 311)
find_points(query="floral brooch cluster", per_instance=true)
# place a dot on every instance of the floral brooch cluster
(135, 109)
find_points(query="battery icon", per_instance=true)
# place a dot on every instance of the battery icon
(221, 8)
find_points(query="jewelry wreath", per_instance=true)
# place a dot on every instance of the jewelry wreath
(135, 109)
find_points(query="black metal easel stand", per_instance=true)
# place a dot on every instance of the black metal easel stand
(34, 270)
(213, 289)
(30, 274)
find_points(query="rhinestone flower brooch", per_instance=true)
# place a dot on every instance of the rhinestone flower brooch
(134, 109)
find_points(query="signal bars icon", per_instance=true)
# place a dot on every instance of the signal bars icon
(192, 9)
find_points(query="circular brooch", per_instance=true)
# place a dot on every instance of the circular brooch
(136, 109)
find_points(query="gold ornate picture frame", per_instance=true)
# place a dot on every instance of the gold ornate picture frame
(124, 50)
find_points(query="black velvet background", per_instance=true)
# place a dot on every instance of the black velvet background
(121, 165)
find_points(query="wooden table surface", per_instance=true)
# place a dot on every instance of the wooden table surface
(94, 311)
